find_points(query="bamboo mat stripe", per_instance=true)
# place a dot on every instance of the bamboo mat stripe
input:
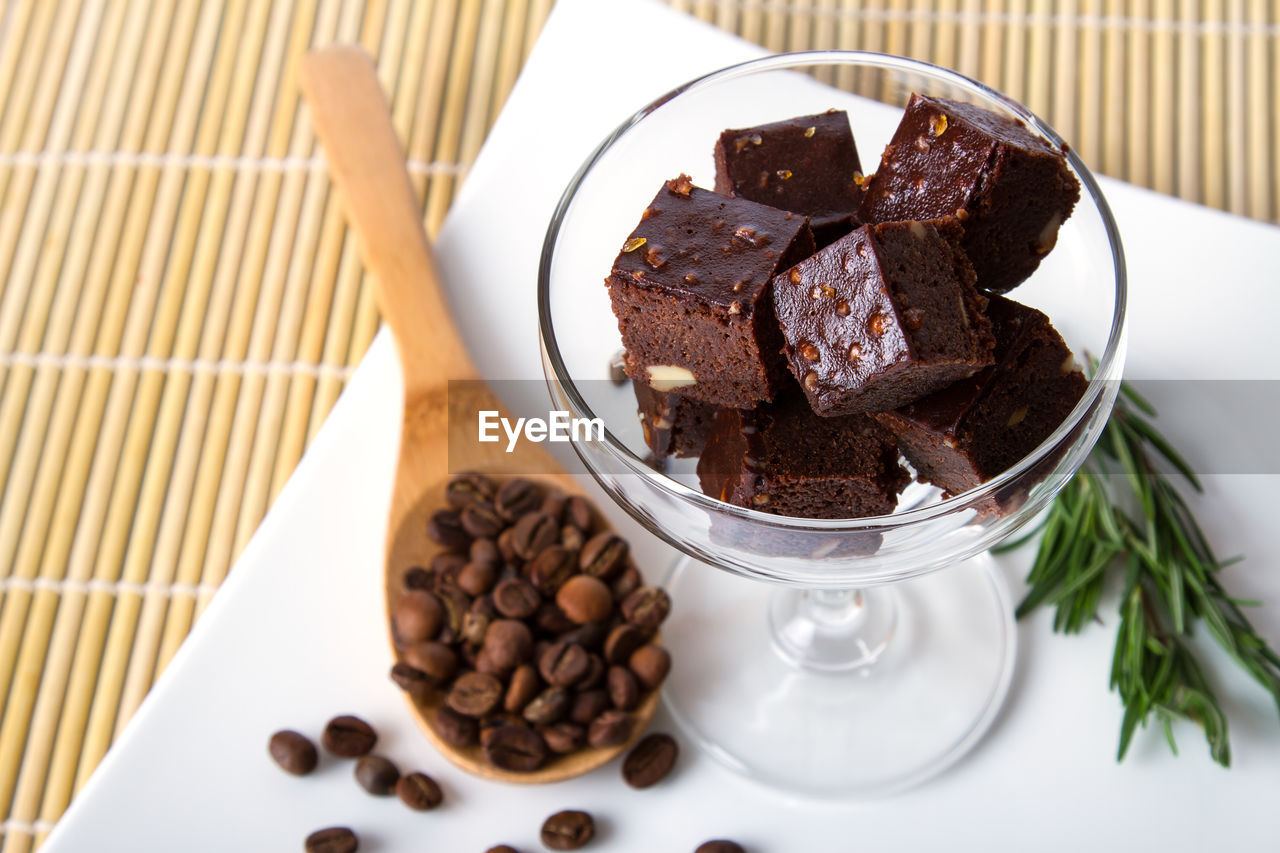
(181, 303)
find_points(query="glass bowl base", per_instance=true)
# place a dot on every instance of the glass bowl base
(903, 715)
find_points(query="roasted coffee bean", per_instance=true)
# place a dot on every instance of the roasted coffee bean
(551, 620)
(568, 830)
(508, 643)
(453, 728)
(584, 598)
(548, 707)
(348, 737)
(486, 551)
(484, 663)
(483, 604)
(445, 529)
(626, 583)
(475, 694)
(295, 753)
(553, 505)
(518, 497)
(577, 511)
(590, 636)
(493, 722)
(650, 761)
(525, 684)
(335, 839)
(624, 689)
(551, 569)
(447, 563)
(418, 578)
(419, 792)
(413, 681)
(477, 578)
(588, 705)
(651, 664)
(533, 533)
(456, 604)
(596, 671)
(516, 748)
(611, 728)
(604, 555)
(436, 659)
(720, 845)
(416, 616)
(481, 520)
(467, 488)
(563, 664)
(474, 626)
(571, 537)
(516, 598)
(621, 642)
(502, 848)
(563, 738)
(646, 607)
(377, 775)
(505, 548)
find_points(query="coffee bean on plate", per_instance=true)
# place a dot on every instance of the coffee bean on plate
(571, 537)
(626, 583)
(348, 736)
(508, 643)
(550, 619)
(720, 845)
(516, 598)
(335, 839)
(436, 659)
(294, 752)
(646, 607)
(604, 555)
(584, 599)
(474, 627)
(590, 636)
(651, 664)
(477, 578)
(611, 728)
(516, 748)
(588, 705)
(577, 511)
(650, 760)
(416, 616)
(455, 729)
(467, 488)
(568, 830)
(624, 689)
(516, 497)
(445, 529)
(563, 664)
(621, 642)
(377, 775)
(475, 694)
(483, 604)
(553, 505)
(551, 569)
(564, 737)
(548, 707)
(524, 685)
(485, 551)
(415, 682)
(480, 520)
(595, 673)
(419, 792)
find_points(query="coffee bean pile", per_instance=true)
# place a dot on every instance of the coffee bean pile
(532, 634)
(351, 737)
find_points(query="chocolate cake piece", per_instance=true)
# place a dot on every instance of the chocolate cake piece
(972, 431)
(690, 289)
(883, 316)
(673, 425)
(807, 164)
(783, 459)
(1010, 188)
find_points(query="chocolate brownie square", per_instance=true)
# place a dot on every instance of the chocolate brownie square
(783, 459)
(1010, 188)
(968, 433)
(673, 425)
(807, 164)
(882, 317)
(690, 289)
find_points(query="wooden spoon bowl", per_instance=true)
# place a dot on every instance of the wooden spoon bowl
(368, 167)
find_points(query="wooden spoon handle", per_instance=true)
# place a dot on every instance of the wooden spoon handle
(368, 166)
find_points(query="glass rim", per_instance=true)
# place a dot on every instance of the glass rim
(1106, 370)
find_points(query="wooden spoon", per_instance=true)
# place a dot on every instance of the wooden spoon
(367, 165)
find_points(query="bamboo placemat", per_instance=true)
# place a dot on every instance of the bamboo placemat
(181, 303)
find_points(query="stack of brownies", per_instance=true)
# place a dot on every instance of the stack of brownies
(802, 325)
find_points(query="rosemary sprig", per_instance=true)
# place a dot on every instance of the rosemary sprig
(1169, 573)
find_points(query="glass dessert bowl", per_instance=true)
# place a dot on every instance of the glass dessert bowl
(884, 645)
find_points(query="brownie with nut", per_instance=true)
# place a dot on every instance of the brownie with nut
(690, 290)
(673, 424)
(1011, 188)
(881, 317)
(807, 165)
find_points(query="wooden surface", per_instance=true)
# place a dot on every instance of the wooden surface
(181, 303)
